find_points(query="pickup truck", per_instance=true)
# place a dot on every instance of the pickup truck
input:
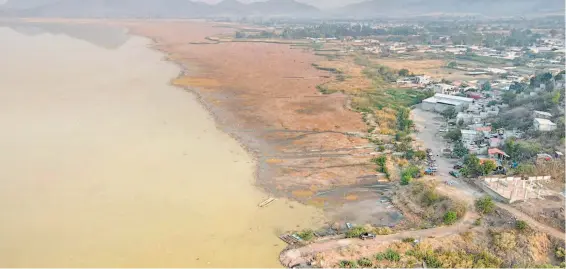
(365, 236)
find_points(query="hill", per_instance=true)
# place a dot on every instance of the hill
(492, 8)
(154, 8)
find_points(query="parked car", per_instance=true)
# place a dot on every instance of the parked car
(459, 165)
(365, 236)
(429, 172)
(455, 174)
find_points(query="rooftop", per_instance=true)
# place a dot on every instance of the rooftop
(543, 113)
(452, 97)
(544, 121)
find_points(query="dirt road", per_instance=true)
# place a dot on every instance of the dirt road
(302, 255)
(427, 123)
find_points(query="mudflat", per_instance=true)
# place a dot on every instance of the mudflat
(265, 94)
(106, 165)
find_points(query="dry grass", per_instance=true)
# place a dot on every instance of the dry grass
(426, 67)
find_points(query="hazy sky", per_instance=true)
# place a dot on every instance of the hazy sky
(317, 3)
(322, 4)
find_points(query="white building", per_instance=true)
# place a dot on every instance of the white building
(544, 125)
(443, 88)
(440, 102)
(469, 136)
(422, 80)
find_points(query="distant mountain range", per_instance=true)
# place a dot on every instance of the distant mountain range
(271, 8)
(154, 8)
(492, 8)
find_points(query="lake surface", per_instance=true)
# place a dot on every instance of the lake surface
(106, 165)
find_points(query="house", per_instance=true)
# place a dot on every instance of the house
(469, 136)
(484, 130)
(495, 153)
(544, 125)
(495, 142)
(541, 114)
(422, 80)
(443, 88)
(468, 118)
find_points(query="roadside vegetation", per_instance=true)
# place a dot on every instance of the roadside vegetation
(433, 209)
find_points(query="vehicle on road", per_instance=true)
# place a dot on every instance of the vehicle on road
(429, 172)
(455, 174)
(365, 236)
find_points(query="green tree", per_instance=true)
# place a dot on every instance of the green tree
(404, 72)
(403, 122)
(472, 166)
(459, 149)
(487, 167)
(556, 98)
(449, 113)
(452, 65)
(453, 135)
(450, 217)
(509, 97)
(485, 205)
(486, 86)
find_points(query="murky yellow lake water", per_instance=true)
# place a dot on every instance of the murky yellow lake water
(106, 165)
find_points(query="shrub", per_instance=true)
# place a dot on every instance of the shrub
(306, 234)
(505, 241)
(408, 240)
(430, 197)
(450, 217)
(521, 225)
(392, 255)
(559, 253)
(485, 259)
(477, 222)
(382, 231)
(432, 261)
(485, 205)
(420, 154)
(381, 148)
(380, 256)
(355, 231)
(406, 179)
(348, 264)
(365, 262)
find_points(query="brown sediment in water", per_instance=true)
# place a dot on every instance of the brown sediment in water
(107, 166)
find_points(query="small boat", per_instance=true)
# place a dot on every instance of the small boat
(266, 202)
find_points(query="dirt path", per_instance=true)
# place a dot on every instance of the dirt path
(301, 255)
(532, 222)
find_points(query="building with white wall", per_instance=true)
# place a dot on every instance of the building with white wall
(544, 125)
(440, 102)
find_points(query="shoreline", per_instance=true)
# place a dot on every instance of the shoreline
(260, 149)
(206, 106)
